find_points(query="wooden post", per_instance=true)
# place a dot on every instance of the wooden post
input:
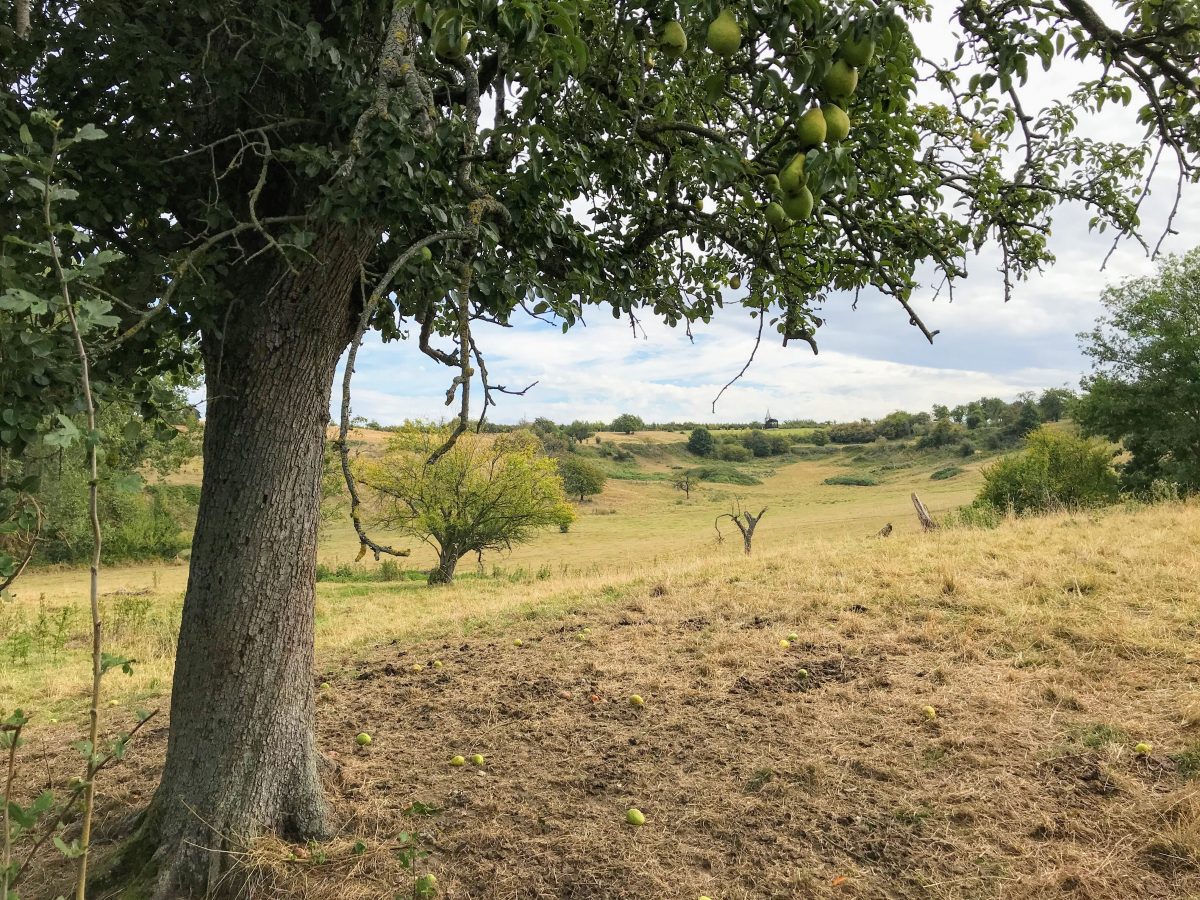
(927, 523)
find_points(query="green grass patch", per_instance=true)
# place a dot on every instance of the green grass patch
(852, 480)
(1188, 762)
(1096, 737)
(947, 472)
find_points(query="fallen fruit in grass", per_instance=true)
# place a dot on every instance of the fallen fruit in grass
(929, 712)
(437, 663)
(426, 885)
(417, 667)
(635, 817)
(478, 760)
(1143, 748)
(803, 673)
(325, 686)
(518, 642)
(793, 636)
(457, 761)
(113, 702)
(362, 739)
(636, 700)
(785, 644)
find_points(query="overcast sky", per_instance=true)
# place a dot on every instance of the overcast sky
(871, 361)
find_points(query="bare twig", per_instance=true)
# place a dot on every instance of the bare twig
(370, 304)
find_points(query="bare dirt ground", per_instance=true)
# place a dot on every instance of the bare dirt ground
(1048, 649)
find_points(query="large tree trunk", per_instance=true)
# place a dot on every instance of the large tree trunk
(241, 758)
(443, 572)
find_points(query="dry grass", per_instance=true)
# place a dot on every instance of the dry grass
(1048, 648)
(632, 528)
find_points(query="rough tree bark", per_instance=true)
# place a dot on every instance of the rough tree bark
(241, 759)
(443, 572)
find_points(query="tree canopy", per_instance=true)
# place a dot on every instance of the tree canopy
(1144, 389)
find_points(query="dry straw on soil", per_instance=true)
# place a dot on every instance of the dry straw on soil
(1048, 648)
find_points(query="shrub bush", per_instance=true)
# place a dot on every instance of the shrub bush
(1057, 470)
(733, 453)
(948, 472)
(819, 438)
(853, 480)
(852, 433)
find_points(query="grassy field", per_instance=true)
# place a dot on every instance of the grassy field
(1047, 649)
(634, 526)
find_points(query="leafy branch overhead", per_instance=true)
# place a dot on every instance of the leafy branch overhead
(548, 156)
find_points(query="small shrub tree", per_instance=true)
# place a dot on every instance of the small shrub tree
(852, 433)
(687, 482)
(700, 442)
(734, 453)
(819, 438)
(1057, 469)
(581, 477)
(757, 443)
(483, 494)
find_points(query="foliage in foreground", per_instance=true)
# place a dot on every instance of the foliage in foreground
(1144, 391)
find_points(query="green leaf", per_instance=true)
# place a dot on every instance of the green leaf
(90, 132)
(71, 850)
(111, 661)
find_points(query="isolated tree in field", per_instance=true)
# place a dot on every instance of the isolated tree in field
(745, 521)
(280, 177)
(1144, 389)
(483, 494)
(687, 482)
(700, 442)
(581, 476)
(627, 423)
